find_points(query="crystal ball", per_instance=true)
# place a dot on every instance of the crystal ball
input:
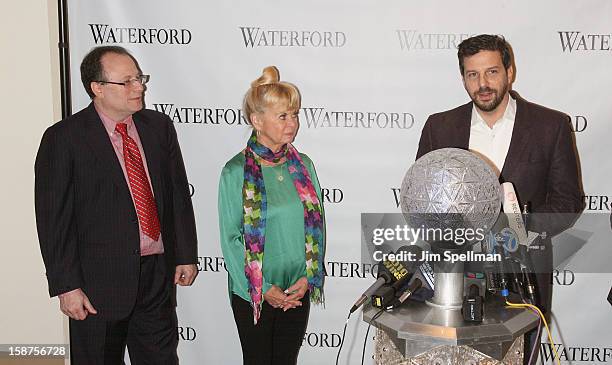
(450, 189)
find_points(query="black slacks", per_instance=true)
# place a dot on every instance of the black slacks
(149, 332)
(278, 335)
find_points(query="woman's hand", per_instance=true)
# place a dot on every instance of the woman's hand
(296, 292)
(275, 297)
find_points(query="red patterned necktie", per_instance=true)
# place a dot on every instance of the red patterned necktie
(139, 184)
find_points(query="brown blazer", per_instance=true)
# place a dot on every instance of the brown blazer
(542, 162)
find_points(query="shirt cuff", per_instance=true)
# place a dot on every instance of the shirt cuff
(266, 286)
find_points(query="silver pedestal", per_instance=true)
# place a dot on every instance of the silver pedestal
(385, 353)
(448, 281)
(419, 331)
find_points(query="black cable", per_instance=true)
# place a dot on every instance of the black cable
(365, 340)
(342, 341)
(64, 58)
(536, 342)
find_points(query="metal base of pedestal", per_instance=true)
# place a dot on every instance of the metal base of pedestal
(417, 328)
(385, 353)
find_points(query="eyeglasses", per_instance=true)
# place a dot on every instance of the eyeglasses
(138, 80)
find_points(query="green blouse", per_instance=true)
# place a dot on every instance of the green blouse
(284, 253)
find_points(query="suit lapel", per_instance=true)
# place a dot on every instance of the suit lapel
(150, 145)
(461, 137)
(97, 139)
(520, 139)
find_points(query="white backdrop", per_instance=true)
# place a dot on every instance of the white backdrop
(370, 73)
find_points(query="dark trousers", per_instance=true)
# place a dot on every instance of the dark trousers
(149, 331)
(278, 335)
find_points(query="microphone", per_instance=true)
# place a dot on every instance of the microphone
(472, 305)
(518, 282)
(513, 212)
(413, 286)
(384, 278)
(503, 283)
(515, 222)
(423, 278)
(388, 272)
(387, 294)
(493, 275)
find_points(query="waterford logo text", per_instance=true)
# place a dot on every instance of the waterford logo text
(259, 37)
(322, 118)
(578, 41)
(592, 355)
(414, 40)
(104, 33)
(198, 115)
(597, 202)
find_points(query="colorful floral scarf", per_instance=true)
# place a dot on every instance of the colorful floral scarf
(254, 219)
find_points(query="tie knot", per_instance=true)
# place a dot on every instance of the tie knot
(121, 128)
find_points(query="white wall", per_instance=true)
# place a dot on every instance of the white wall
(29, 100)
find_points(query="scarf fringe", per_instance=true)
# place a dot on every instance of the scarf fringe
(317, 296)
(256, 311)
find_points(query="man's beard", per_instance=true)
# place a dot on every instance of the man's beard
(493, 104)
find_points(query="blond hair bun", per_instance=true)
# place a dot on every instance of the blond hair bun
(270, 75)
(269, 90)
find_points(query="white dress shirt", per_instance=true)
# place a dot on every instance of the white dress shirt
(494, 142)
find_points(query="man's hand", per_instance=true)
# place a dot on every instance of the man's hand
(76, 305)
(185, 274)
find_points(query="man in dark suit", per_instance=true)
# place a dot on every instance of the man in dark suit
(529, 145)
(114, 217)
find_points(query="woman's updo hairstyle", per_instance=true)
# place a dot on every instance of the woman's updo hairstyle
(269, 90)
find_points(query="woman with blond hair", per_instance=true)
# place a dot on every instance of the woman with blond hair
(271, 227)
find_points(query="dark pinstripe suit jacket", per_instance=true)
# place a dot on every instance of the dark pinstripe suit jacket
(87, 223)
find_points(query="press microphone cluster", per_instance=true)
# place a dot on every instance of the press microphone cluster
(515, 270)
(391, 295)
(383, 278)
(518, 221)
(387, 294)
(392, 276)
